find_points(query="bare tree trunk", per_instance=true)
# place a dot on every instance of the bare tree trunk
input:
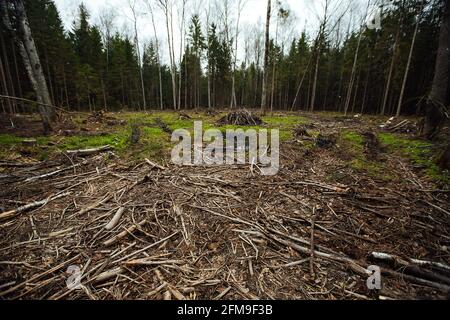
(132, 6)
(437, 99)
(266, 57)
(165, 6)
(314, 88)
(274, 68)
(66, 92)
(391, 70)
(49, 77)
(5, 87)
(31, 61)
(240, 7)
(352, 78)
(174, 67)
(208, 54)
(355, 61)
(16, 67)
(318, 46)
(308, 97)
(158, 55)
(6, 74)
(301, 84)
(363, 104)
(105, 106)
(182, 37)
(356, 92)
(405, 78)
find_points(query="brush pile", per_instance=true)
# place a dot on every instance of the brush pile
(241, 118)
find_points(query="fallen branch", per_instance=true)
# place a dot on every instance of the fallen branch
(50, 174)
(124, 233)
(147, 262)
(350, 262)
(11, 214)
(311, 261)
(154, 165)
(115, 220)
(95, 205)
(88, 152)
(422, 263)
(408, 266)
(36, 277)
(108, 275)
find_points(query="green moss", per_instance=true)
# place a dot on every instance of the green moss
(284, 121)
(354, 138)
(153, 132)
(7, 139)
(354, 144)
(119, 141)
(374, 169)
(421, 152)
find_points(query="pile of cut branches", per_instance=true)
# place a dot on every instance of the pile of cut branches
(241, 118)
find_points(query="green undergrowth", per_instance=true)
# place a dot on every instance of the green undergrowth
(422, 154)
(354, 144)
(154, 142)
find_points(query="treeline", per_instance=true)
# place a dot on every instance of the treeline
(363, 70)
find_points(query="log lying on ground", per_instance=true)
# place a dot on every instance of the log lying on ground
(88, 152)
(422, 263)
(415, 266)
(11, 214)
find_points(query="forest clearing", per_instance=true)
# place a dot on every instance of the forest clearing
(224, 150)
(224, 231)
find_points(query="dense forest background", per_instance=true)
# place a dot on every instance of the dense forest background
(336, 68)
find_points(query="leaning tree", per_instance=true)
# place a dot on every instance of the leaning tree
(15, 20)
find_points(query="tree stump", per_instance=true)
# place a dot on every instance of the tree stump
(135, 134)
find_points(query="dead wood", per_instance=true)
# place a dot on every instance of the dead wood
(241, 118)
(12, 213)
(326, 141)
(220, 232)
(89, 152)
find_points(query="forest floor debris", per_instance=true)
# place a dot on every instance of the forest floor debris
(241, 118)
(151, 230)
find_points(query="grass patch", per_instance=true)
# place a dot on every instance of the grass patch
(118, 141)
(154, 142)
(422, 153)
(7, 140)
(354, 142)
(354, 138)
(285, 124)
(284, 121)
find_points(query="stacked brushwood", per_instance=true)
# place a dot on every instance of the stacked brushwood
(241, 118)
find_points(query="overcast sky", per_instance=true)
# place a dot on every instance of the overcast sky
(305, 15)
